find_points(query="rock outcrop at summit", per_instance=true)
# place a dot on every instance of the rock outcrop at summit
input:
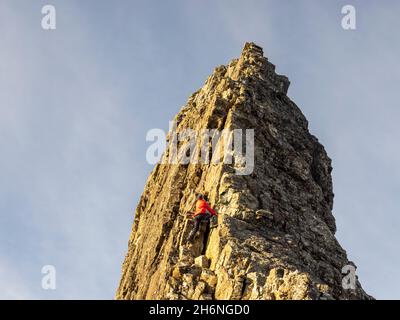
(275, 235)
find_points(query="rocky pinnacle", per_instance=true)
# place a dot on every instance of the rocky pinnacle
(275, 237)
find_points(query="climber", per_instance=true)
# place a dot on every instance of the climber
(203, 213)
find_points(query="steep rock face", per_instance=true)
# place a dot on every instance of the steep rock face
(275, 237)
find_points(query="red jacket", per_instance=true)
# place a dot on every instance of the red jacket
(202, 207)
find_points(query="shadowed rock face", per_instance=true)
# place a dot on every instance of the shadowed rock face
(275, 237)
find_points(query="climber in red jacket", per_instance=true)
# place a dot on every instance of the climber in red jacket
(203, 213)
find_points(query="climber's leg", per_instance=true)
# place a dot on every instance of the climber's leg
(196, 227)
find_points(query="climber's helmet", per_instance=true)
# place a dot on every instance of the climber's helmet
(199, 196)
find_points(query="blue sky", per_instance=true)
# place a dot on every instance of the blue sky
(76, 103)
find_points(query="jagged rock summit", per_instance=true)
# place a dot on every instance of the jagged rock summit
(275, 235)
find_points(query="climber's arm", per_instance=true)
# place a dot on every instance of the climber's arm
(211, 210)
